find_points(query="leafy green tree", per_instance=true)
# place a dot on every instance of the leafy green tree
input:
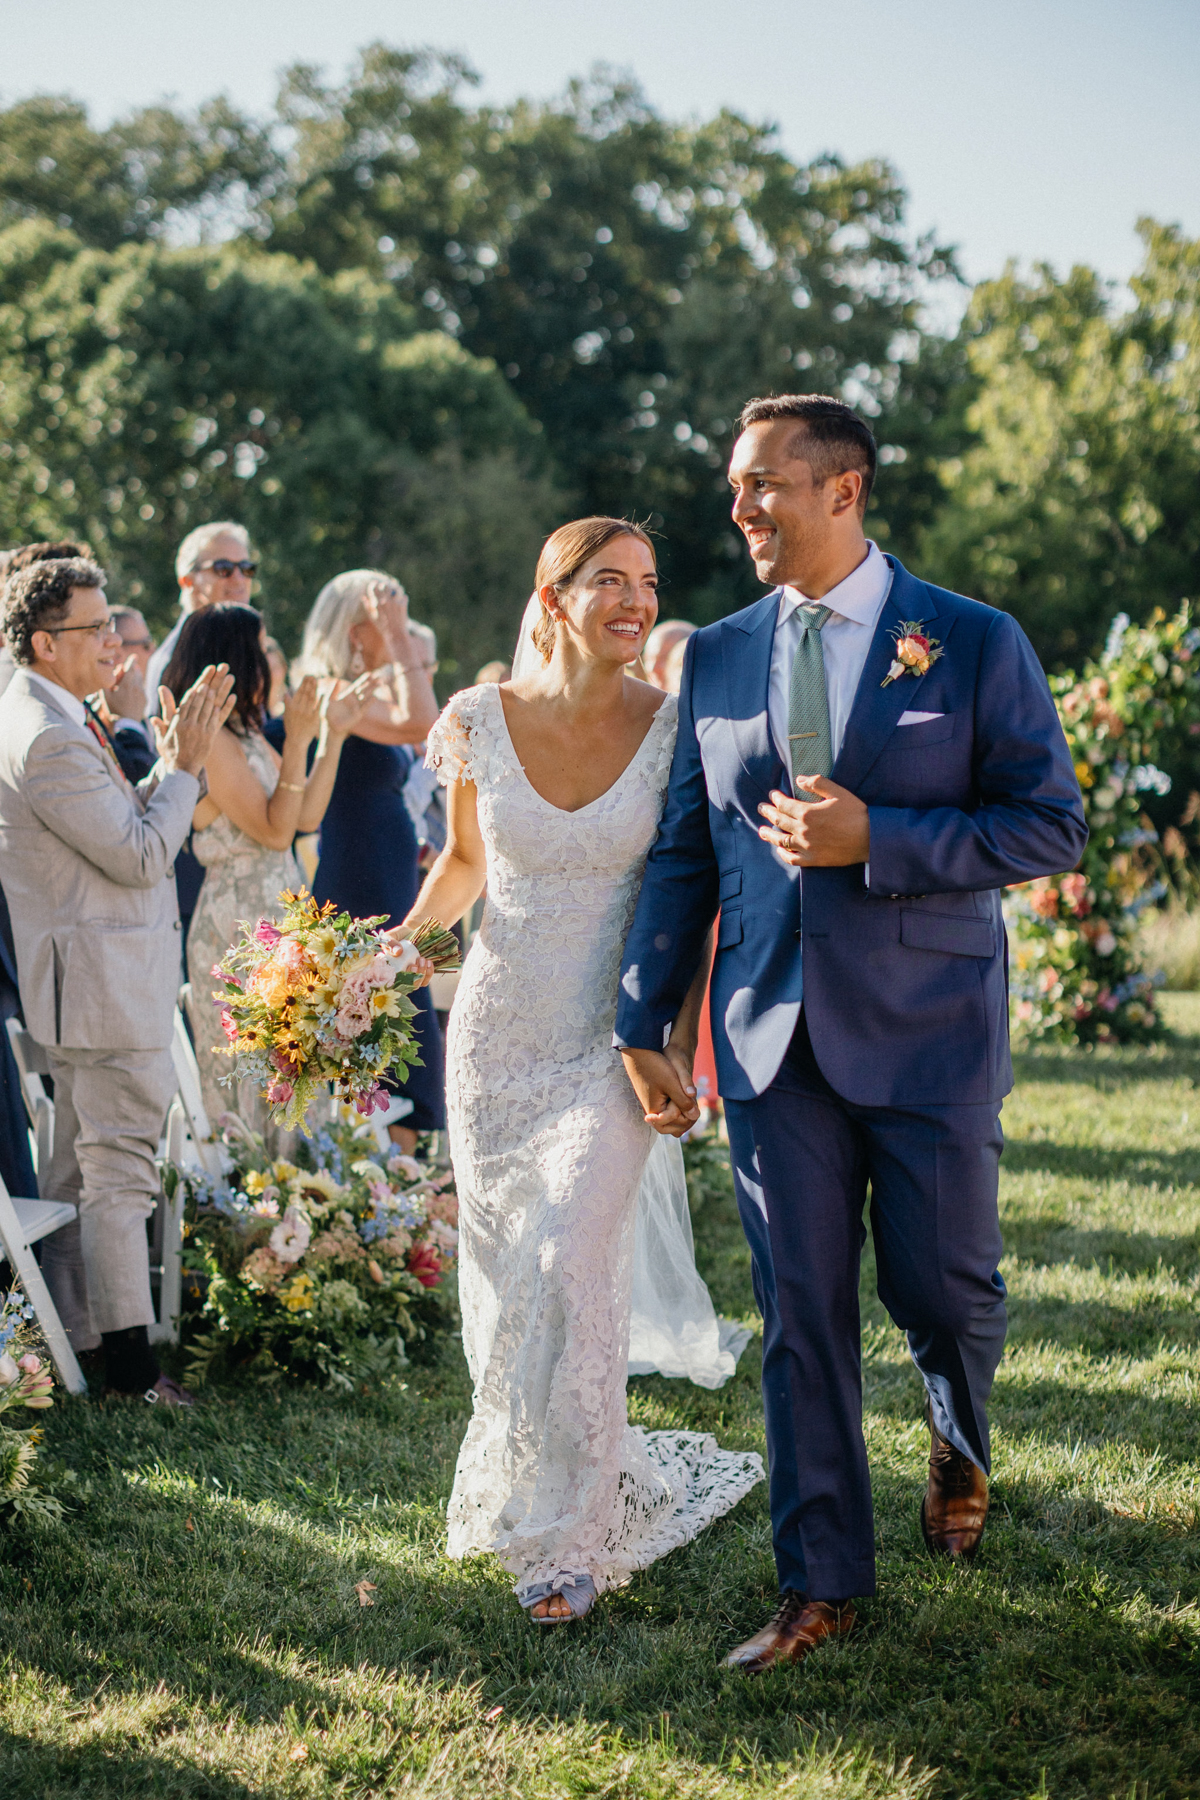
(135, 179)
(143, 390)
(1077, 495)
(636, 279)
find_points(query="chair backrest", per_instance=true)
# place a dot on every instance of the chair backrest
(187, 1077)
(32, 1063)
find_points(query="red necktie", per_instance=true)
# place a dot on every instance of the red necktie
(105, 742)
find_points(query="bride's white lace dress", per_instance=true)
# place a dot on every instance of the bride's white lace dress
(548, 1145)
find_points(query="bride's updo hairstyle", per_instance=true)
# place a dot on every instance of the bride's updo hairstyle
(563, 555)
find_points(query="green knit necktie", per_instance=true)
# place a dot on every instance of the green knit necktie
(808, 702)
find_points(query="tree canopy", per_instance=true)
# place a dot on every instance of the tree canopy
(390, 321)
(1077, 494)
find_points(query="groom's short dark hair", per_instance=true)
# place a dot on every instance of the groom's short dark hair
(834, 437)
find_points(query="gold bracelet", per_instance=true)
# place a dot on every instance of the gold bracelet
(291, 787)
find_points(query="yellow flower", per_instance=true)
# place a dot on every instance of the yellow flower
(283, 1171)
(1084, 776)
(297, 1296)
(256, 1181)
(323, 944)
(385, 1000)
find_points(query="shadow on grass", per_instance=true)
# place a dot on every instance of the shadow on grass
(1085, 1162)
(1054, 1243)
(1176, 1060)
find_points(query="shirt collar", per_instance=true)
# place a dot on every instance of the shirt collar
(74, 709)
(857, 598)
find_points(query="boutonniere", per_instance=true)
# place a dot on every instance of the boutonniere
(915, 653)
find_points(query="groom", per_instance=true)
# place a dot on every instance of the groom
(863, 762)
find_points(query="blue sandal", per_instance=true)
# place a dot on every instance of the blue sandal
(579, 1591)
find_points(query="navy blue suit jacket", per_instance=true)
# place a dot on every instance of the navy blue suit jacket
(903, 977)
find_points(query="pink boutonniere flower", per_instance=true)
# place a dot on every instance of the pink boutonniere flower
(915, 652)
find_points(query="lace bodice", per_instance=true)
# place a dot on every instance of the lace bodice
(561, 890)
(549, 1145)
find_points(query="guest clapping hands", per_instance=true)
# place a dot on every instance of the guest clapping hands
(257, 801)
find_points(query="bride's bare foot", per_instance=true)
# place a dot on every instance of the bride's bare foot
(552, 1607)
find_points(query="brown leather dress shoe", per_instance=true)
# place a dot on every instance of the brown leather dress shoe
(798, 1627)
(956, 1501)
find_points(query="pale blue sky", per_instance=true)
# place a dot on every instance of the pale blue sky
(1034, 128)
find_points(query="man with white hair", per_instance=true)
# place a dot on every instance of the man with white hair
(213, 566)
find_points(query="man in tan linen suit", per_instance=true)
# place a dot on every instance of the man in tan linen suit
(88, 865)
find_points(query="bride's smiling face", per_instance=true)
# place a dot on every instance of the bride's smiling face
(609, 610)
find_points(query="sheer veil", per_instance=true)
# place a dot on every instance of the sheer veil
(673, 1328)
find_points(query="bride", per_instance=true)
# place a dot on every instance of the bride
(555, 782)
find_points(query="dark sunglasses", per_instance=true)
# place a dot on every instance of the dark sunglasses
(222, 566)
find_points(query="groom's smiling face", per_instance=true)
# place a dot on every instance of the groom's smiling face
(792, 523)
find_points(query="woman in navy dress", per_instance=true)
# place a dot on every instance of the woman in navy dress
(369, 846)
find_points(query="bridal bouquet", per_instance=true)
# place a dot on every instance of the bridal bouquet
(321, 997)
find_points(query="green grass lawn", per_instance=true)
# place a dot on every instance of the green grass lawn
(195, 1629)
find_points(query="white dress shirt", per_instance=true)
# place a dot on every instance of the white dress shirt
(75, 710)
(855, 605)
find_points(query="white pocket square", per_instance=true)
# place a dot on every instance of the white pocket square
(918, 718)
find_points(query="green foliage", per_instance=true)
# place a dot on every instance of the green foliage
(636, 279)
(144, 390)
(1077, 971)
(1077, 496)
(329, 1269)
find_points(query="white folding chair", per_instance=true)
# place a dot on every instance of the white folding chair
(207, 1151)
(32, 1064)
(22, 1223)
(166, 1231)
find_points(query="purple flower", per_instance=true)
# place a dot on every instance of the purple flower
(374, 1101)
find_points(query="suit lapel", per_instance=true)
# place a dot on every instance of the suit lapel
(876, 707)
(747, 694)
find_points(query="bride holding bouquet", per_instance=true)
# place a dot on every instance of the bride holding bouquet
(556, 782)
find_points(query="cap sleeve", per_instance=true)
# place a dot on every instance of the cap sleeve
(465, 743)
(448, 749)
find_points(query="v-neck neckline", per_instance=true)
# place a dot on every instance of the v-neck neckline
(566, 811)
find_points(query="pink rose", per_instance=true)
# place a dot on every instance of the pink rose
(30, 1363)
(280, 1093)
(291, 955)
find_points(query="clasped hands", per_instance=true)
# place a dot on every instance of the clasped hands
(662, 1081)
(828, 830)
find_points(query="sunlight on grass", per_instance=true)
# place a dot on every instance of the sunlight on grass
(196, 1628)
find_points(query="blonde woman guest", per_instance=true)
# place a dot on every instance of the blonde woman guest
(257, 801)
(359, 625)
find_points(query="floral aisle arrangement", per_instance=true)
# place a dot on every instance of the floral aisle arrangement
(1076, 974)
(329, 1268)
(25, 1383)
(322, 998)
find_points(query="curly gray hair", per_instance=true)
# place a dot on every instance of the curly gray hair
(39, 598)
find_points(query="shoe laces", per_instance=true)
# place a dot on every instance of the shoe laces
(791, 1605)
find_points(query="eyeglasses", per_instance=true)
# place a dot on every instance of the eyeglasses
(102, 628)
(146, 643)
(224, 568)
